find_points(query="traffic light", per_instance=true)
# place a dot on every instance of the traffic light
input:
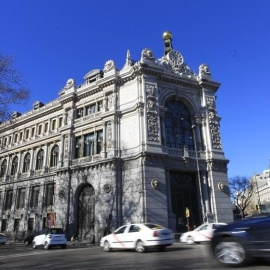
(258, 207)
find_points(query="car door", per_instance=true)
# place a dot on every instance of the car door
(118, 238)
(40, 239)
(133, 233)
(204, 233)
(259, 230)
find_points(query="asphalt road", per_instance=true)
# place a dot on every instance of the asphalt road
(178, 256)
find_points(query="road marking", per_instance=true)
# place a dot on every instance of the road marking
(34, 253)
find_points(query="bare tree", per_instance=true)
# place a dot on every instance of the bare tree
(241, 190)
(12, 87)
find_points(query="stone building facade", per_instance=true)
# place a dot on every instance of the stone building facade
(139, 144)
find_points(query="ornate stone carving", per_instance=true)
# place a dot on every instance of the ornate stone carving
(109, 134)
(213, 123)
(111, 101)
(152, 119)
(155, 183)
(66, 147)
(152, 122)
(204, 71)
(70, 83)
(109, 65)
(175, 62)
(147, 55)
(107, 188)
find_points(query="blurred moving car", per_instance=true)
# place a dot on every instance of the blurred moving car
(203, 233)
(50, 237)
(139, 236)
(3, 238)
(236, 243)
(29, 239)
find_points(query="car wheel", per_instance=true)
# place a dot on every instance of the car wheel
(140, 247)
(190, 240)
(106, 246)
(63, 246)
(230, 252)
(46, 245)
(34, 245)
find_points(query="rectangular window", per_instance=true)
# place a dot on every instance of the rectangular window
(99, 106)
(8, 203)
(16, 224)
(88, 145)
(60, 121)
(92, 108)
(34, 196)
(46, 127)
(49, 194)
(80, 113)
(99, 141)
(4, 225)
(53, 124)
(78, 147)
(33, 132)
(16, 138)
(39, 129)
(21, 135)
(27, 134)
(30, 225)
(9, 139)
(21, 198)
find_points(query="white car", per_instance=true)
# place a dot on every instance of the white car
(202, 233)
(50, 237)
(3, 239)
(139, 236)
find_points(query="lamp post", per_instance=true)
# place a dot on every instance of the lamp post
(198, 171)
(68, 203)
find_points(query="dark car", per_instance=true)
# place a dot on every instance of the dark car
(237, 243)
(29, 239)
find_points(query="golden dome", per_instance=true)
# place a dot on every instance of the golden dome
(167, 35)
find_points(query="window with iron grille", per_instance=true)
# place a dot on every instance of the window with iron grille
(4, 225)
(9, 196)
(178, 126)
(40, 157)
(21, 198)
(14, 165)
(34, 196)
(16, 224)
(49, 194)
(54, 156)
(90, 144)
(3, 168)
(26, 162)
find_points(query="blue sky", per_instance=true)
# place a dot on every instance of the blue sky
(55, 40)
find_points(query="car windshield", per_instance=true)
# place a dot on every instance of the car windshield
(2, 235)
(56, 231)
(153, 226)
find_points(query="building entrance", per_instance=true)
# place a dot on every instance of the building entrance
(86, 212)
(184, 196)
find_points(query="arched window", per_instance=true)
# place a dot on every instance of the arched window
(3, 168)
(26, 163)
(14, 165)
(178, 126)
(54, 156)
(40, 157)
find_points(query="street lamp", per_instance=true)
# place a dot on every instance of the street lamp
(198, 170)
